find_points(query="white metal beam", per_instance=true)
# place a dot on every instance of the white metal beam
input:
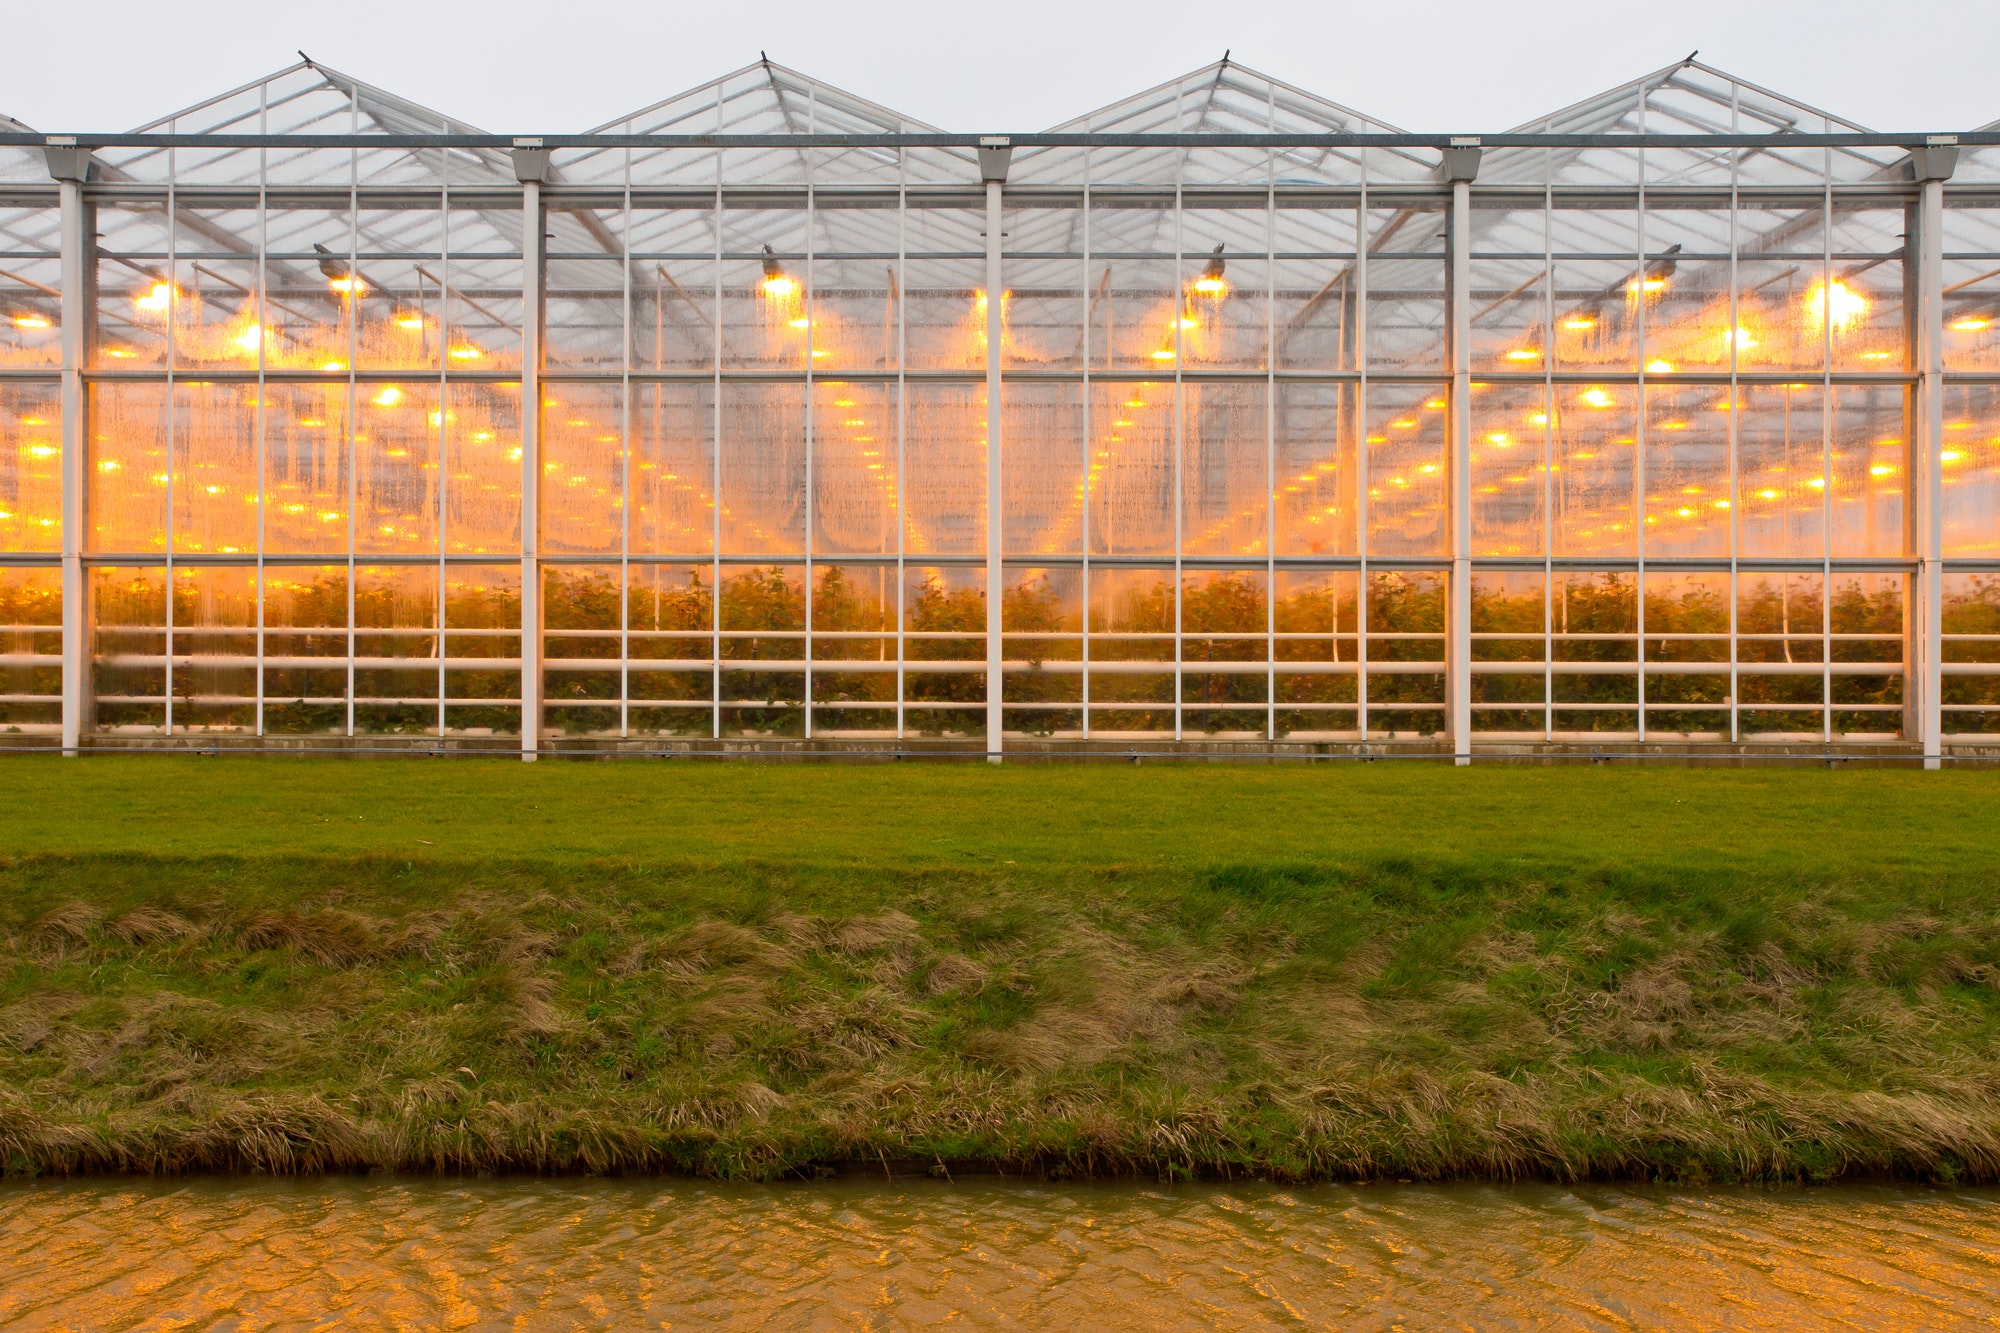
(76, 239)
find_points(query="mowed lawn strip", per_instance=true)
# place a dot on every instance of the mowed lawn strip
(926, 814)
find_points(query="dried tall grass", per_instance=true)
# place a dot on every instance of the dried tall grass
(1382, 1021)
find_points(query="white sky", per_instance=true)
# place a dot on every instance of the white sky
(1019, 65)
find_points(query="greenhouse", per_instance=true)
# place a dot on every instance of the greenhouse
(1224, 416)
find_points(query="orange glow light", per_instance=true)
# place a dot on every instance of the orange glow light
(1837, 305)
(30, 322)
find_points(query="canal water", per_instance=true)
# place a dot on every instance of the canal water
(393, 1252)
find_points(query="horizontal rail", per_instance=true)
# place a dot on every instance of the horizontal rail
(970, 142)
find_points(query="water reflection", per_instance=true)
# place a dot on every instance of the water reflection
(536, 1254)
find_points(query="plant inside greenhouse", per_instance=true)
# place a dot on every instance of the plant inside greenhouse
(1223, 415)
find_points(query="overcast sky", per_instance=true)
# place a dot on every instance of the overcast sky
(1021, 65)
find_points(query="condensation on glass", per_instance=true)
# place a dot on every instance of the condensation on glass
(759, 401)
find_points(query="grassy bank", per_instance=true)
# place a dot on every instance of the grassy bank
(1369, 972)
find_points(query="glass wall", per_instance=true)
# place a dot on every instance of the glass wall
(749, 388)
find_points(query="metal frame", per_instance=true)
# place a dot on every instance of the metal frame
(540, 195)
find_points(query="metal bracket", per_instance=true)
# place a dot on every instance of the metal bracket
(1935, 159)
(531, 160)
(995, 152)
(67, 162)
(1461, 159)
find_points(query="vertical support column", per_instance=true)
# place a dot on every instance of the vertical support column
(531, 164)
(1461, 166)
(994, 153)
(1932, 165)
(70, 165)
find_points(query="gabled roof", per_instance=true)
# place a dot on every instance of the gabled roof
(1223, 98)
(1688, 98)
(769, 99)
(306, 98)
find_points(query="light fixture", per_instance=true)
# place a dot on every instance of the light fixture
(156, 299)
(31, 322)
(251, 339)
(1970, 324)
(410, 320)
(777, 283)
(1836, 304)
(1524, 354)
(1659, 368)
(1211, 282)
(466, 352)
(389, 397)
(1596, 398)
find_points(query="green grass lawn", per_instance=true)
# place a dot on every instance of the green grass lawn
(920, 814)
(305, 964)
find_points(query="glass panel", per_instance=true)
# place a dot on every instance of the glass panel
(1866, 619)
(1315, 500)
(1867, 500)
(1132, 469)
(1041, 615)
(1406, 469)
(482, 492)
(1971, 703)
(1132, 618)
(1406, 272)
(1687, 473)
(128, 665)
(945, 313)
(673, 469)
(944, 621)
(763, 468)
(30, 651)
(305, 650)
(396, 649)
(944, 463)
(396, 433)
(305, 467)
(583, 467)
(1509, 313)
(854, 468)
(1316, 651)
(855, 308)
(1509, 619)
(311, 298)
(670, 616)
(582, 646)
(30, 283)
(215, 468)
(1225, 469)
(1044, 308)
(1510, 424)
(1406, 654)
(1780, 471)
(482, 648)
(1971, 465)
(128, 467)
(30, 467)
(1594, 618)
(1042, 432)
(215, 649)
(1224, 288)
(673, 314)
(1594, 445)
